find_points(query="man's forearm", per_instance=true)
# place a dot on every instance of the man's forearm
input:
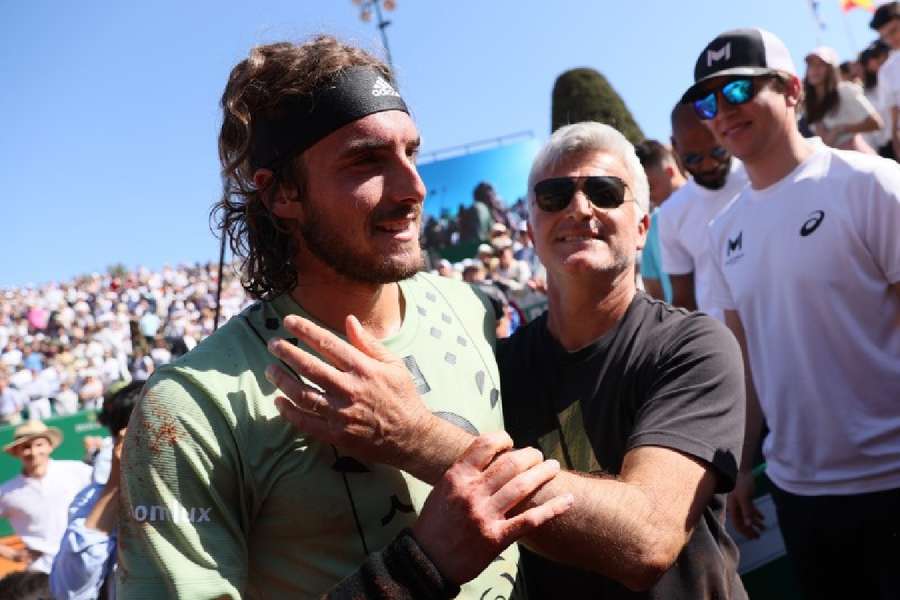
(612, 528)
(438, 445)
(103, 515)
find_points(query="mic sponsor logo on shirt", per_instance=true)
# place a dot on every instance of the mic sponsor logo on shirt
(734, 249)
(177, 514)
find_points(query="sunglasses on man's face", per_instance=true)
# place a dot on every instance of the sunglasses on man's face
(694, 159)
(735, 92)
(604, 191)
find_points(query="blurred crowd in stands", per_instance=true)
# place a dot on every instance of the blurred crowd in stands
(62, 344)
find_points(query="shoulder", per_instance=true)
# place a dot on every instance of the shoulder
(670, 331)
(444, 285)
(845, 89)
(527, 339)
(72, 466)
(9, 485)
(219, 365)
(676, 203)
(863, 169)
(464, 298)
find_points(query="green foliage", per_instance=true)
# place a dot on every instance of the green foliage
(117, 270)
(585, 95)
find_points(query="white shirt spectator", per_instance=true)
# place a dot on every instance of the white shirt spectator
(66, 401)
(682, 221)
(852, 108)
(806, 263)
(37, 508)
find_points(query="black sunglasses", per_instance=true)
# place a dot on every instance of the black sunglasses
(692, 159)
(604, 191)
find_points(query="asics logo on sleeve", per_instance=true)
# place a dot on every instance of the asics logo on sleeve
(812, 223)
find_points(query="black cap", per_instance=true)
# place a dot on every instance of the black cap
(750, 52)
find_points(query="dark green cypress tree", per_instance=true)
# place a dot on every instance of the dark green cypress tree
(585, 95)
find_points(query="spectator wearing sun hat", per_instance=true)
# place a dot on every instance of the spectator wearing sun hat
(36, 501)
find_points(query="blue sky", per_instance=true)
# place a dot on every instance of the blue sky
(108, 148)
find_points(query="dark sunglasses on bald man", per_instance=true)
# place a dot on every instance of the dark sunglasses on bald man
(734, 92)
(692, 159)
(604, 191)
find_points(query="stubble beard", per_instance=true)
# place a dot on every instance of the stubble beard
(331, 248)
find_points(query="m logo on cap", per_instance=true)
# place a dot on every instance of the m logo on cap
(716, 55)
(383, 88)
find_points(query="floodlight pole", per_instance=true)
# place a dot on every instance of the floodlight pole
(365, 7)
(382, 26)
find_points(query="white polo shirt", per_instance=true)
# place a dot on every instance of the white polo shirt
(807, 264)
(683, 219)
(37, 508)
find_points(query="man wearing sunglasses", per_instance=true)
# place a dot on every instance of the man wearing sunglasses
(716, 178)
(807, 271)
(642, 404)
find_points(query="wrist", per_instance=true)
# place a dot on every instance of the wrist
(436, 445)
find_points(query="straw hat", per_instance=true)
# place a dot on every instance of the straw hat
(31, 430)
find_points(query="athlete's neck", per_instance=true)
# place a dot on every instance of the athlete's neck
(331, 298)
(777, 160)
(581, 311)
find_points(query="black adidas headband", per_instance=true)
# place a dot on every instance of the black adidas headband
(356, 92)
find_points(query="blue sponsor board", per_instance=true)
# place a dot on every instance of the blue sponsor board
(451, 181)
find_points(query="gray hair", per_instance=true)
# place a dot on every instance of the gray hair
(585, 138)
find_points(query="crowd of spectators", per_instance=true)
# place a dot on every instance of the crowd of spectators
(63, 344)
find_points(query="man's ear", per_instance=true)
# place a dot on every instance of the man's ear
(793, 91)
(282, 201)
(643, 226)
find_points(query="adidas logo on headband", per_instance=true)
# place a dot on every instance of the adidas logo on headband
(383, 88)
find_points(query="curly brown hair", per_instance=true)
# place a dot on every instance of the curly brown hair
(256, 89)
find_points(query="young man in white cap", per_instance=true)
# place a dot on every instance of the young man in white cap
(808, 272)
(36, 501)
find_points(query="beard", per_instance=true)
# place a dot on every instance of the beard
(330, 246)
(715, 179)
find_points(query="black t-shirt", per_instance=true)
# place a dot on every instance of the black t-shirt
(660, 377)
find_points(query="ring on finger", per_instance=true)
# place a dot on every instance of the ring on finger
(320, 403)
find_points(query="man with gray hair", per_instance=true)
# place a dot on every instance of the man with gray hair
(641, 403)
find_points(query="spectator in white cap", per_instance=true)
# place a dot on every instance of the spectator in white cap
(36, 501)
(837, 111)
(807, 270)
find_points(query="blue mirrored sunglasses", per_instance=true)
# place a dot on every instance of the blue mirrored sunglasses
(736, 91)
